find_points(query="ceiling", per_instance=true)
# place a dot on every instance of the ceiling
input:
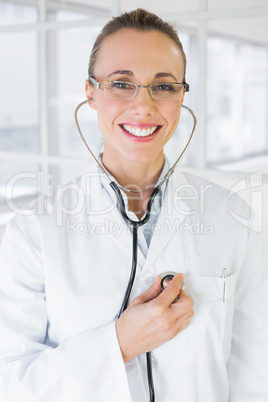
(173, 5)
(252, 28)
(250, 22)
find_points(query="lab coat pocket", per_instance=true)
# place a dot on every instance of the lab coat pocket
(193, 364)
(209, 335)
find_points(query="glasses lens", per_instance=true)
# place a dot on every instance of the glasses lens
(167, 91)
(119, 89)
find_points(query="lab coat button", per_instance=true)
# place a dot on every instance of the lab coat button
(147, 278)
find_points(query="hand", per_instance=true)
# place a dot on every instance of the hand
(153, 318)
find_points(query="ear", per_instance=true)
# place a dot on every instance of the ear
(182, 99)
(89, 94)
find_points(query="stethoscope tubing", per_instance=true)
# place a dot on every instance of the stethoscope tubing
(136, 224)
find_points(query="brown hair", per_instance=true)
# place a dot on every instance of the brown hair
(140, 20)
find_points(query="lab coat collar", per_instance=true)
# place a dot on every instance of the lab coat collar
(174, 209)
(158, 199)
(104, 212)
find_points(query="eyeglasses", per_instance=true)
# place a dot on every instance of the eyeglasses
(127, 90)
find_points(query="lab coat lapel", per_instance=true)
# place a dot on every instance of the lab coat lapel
(103, 215)
(174, 211)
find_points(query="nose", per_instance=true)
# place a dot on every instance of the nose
(143, 104)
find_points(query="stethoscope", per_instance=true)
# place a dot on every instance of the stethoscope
(166, 276)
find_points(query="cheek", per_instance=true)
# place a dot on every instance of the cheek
(173, 118)
(108, 110)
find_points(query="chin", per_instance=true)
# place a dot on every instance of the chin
(143, 157)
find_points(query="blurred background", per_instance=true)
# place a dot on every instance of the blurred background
(44, 52)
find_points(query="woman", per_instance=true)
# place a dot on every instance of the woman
(60, 291)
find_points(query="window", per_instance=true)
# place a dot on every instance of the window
(237, 100)
(44, 67)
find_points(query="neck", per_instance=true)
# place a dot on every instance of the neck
(137, 176)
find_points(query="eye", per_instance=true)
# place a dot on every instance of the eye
(164, 87)
(121, 85)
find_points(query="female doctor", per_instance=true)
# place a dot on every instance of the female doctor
(60, 292)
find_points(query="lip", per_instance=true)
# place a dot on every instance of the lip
(141, 126)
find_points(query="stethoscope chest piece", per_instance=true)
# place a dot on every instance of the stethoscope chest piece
(167, 278)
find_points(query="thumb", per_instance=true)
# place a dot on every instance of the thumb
(151, 293)
(172, 291)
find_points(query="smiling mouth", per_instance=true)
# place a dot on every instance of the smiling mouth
(138, 132)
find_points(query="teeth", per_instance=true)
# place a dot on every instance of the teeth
(138, 132)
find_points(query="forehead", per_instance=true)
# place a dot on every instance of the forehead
(143, 53)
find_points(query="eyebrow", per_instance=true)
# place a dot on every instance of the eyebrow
(164, 75)
(130, 73)
(123, 72)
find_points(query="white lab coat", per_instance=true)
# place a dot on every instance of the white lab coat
(63, 277)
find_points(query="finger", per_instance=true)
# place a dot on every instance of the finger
(151, 293)
(183, 322)
(184, 301)
(182, 327)
(172, 290)
(182, 295)
(185, 317)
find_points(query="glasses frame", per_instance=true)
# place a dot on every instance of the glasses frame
(100, 84)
